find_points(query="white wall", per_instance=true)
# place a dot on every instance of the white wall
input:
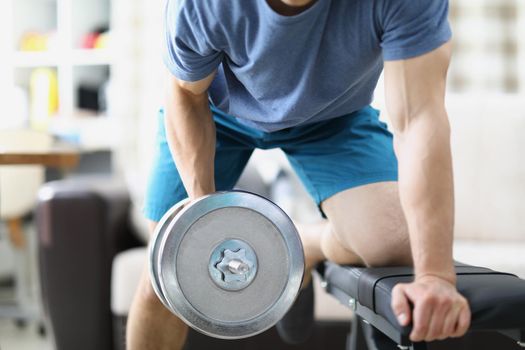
(138, 85)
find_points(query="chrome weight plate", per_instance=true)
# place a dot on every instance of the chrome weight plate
(230, 264)
(154, 244)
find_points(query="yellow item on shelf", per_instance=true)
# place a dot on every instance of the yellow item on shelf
(44, 97)
(33, 41)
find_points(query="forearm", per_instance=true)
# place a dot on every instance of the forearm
(190, 132)
(416, 103)
(427, 191)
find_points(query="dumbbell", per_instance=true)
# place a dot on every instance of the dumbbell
(229, 264)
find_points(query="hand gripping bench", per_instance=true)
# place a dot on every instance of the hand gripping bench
(496, 299)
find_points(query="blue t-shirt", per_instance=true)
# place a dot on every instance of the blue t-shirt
(278, 71)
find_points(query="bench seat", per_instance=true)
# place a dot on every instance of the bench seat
(496, 299)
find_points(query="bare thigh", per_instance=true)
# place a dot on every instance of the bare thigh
(369, 221)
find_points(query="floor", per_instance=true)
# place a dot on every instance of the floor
(26, 338)
(22, 264)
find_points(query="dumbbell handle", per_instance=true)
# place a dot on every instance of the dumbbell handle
(238, 267)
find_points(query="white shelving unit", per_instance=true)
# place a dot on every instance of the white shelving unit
(70, 20)
(78, 57)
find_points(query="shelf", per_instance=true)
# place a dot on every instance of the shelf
(86, 130)
(35, 59)
(77, 57)
(97, 57)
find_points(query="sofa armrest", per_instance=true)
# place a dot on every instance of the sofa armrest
(81, 225)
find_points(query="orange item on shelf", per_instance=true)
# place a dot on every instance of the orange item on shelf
(89, 40)
(44, 97)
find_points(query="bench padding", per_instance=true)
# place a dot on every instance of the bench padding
(496, 299)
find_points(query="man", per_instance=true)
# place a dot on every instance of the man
(299, 75)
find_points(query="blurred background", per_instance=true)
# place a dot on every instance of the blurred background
(80, 85)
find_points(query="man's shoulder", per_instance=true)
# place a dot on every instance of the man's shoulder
(218, 9)
(406, 6)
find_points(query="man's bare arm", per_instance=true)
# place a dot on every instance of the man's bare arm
(190, 130)
(415, 92)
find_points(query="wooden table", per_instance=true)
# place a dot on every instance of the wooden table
(55, 158)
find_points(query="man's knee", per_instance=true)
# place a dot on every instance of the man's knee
(370, 221)
(383, 244)
(392, 250)
(336, 251)
(395, 253)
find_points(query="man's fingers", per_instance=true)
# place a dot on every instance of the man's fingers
(463, 323)
(400, 305)
(437, 319)
(439, 311)
(423, 310)
(451, 321)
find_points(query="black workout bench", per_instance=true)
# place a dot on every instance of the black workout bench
(496, 299)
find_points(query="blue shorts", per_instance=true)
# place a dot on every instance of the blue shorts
(329, 156)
